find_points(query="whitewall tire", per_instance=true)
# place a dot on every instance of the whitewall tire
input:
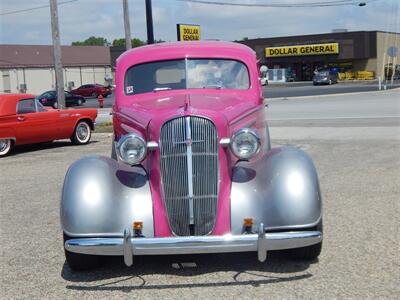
(5, 147)
(82, 133)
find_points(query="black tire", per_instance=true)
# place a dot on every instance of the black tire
(82, 133)
(308, 253)
(81, 262)
(105, 95)
(6, 147)
(94, 95)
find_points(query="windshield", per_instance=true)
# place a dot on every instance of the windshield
(187, 74)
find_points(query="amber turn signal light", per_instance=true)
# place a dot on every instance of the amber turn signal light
(137, 225)
(248, 222)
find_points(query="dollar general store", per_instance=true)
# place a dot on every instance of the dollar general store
(344, 51)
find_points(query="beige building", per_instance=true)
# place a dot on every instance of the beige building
(29, 68)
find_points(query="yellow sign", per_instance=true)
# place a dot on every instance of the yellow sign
(188, 32)
(316, 49)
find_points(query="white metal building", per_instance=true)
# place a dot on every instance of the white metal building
(29, 68)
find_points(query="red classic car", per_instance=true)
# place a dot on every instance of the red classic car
(23, 120)
(92, 90)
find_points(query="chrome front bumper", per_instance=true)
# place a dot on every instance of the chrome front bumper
(128, 246)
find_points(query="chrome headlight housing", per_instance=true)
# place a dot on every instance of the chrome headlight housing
(245, 143)
(131, 149)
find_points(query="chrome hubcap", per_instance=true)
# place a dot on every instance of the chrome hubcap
(82, 132)
(3, 145)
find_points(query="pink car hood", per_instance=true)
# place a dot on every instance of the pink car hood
(163, 106)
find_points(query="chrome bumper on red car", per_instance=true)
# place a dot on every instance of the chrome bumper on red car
(128, 246)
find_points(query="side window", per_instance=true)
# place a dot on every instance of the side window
(26, 106)
(40, 107)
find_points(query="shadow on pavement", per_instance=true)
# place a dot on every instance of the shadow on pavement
(20, 150)
(243, 264)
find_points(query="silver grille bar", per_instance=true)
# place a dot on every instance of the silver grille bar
(190, 168)
(189, 174)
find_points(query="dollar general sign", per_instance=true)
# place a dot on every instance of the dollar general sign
(188, 32)
(316, 49)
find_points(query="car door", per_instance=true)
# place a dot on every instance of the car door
(91, 89)
(34, 124)
(80, 91)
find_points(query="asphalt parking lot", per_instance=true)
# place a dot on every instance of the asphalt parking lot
(359, 169)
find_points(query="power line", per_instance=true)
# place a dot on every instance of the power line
(33, 8)
(304, 4)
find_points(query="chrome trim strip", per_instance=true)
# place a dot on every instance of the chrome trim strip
(189, 156)
(195, 244)
(250, 112)
(129, 118)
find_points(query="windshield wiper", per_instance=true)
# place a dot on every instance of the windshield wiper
(161, 89)
(213, 86)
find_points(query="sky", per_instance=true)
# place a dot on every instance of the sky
(84, 18)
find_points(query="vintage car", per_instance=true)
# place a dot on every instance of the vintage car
(49, 98)
(24, 120)
(92, 90)
(191, 169)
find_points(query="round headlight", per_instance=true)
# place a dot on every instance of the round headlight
(131, 149)
(245, 143)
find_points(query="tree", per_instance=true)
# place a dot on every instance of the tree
(92, 41)
(135, 42)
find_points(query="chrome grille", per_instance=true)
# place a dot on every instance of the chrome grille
(189, 174)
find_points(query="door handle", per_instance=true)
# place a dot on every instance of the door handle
(21, 118)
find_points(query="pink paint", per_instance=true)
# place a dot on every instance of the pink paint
(228, 109)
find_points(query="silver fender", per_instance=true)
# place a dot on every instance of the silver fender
(280, 190)
(102, 197)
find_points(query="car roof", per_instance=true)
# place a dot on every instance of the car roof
(193, 49)
(8, 103)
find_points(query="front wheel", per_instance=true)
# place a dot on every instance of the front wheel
(6, 146)
(81, 262)
(82, 133)
(94, 95)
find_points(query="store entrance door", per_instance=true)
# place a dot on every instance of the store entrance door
(307, 70)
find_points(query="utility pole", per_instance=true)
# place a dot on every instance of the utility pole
(128, 42)
(55, 32)
(149, 21)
